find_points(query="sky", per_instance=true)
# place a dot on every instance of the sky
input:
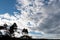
(40, 17)
(7, 6)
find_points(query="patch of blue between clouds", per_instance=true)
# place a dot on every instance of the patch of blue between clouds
(35, 33)
(8, 6)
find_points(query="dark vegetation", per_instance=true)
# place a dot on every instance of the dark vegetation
(10, 31)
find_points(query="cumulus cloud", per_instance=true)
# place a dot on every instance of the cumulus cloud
(7, 18)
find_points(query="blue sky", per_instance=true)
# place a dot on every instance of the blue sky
(7, 6)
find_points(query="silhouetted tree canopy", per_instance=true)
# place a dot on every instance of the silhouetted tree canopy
(25, 37)
(25, 30)
(5, 25)
(14, 26)
(1, 27)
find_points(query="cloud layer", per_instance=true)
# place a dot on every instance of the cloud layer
(40, 16)
(43, 13)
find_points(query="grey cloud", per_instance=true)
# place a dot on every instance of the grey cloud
(50, 24)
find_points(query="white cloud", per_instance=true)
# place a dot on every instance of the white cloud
(6, 18)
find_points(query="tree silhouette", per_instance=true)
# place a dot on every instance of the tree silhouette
(12, 28)
(25, 31)
(1, 27)
(25, 36)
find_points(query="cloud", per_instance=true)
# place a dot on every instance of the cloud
(44, 15)
(36, 15)
(51, 23)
